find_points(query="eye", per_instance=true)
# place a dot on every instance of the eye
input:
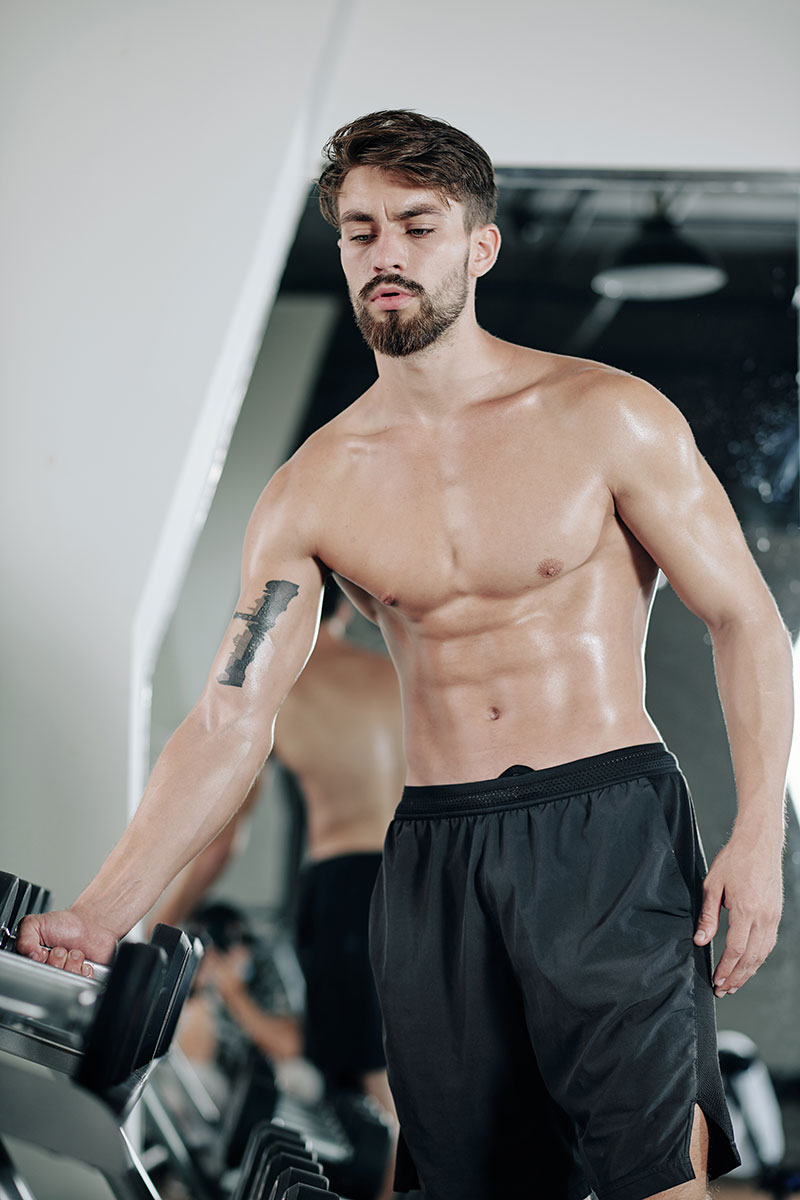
(360, 237)
(419, 232)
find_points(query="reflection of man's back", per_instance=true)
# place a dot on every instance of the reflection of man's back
(340, 732)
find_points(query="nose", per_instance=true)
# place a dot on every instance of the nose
(388, 252)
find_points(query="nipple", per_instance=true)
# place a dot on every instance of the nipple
(550, 567)
(388, 600)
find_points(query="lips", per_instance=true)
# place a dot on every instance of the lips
(390, 293)
(389, 298)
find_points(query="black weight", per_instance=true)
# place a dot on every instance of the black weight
(265, 1138)
(252, 1166)
(18, 898)
(275, 1146)
(252, 1101)
(277, 1131)
(191, 950)
(9, 889)
(282, 1161)
(21, 906)
(174, 989)
(113, 1041)
(303, 1191)
(288, 1178)
(40, 899)
(278, 1164)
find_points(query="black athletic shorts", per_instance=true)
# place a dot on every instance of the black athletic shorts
(549, 1021)
(343, 1030)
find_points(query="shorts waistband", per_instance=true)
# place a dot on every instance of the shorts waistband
(527, 787)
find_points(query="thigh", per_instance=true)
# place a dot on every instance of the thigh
(475, 1117)
(603, 941)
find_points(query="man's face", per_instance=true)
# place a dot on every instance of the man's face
(405, 254)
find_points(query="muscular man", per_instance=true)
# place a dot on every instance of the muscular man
(340, 732)
(539, 940)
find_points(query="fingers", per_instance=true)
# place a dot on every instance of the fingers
(746, 948)
(63, 940)
(708, 923)
(30, 941)
(72, 961)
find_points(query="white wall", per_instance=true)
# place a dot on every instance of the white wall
(151, 154)
(626, 83)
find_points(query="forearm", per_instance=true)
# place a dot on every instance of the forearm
(197, 877)
(198, 783)
(277, 1036)
(753, 661)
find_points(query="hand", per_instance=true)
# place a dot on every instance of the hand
(65, 940)
(227, 972)
(745, 877)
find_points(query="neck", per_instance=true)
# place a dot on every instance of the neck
(455, 371)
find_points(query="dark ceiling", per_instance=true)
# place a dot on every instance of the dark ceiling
(728, 360)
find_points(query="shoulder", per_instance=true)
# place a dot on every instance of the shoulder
(621, 400)
(309, 469)
(619, 410)
(629, 429)
(299, 493)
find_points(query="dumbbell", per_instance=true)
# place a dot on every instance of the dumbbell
(262, 1136)
(251, 1103)
(290, 1177)
(123, 1013)
(120, 1020)
(272, 1149)
(304, 1191)
(17, 899)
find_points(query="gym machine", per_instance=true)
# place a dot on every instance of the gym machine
(77, 1053)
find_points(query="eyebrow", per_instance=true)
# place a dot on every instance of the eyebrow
(353, 216)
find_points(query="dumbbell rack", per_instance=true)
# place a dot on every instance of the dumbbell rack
(51, 1111)
(76, 1053)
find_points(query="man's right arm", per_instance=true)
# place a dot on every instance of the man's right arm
(210, 762)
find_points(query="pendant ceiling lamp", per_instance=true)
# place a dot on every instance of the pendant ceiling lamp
(659, 264)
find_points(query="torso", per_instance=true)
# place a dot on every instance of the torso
(340, 731)
(513, 600)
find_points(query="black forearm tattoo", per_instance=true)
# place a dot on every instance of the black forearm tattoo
(274, 601)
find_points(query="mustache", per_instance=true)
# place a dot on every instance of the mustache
(380, 281)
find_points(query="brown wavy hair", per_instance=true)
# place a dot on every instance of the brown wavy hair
(425, 151)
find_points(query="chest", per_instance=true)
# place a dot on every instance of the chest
(492, 516)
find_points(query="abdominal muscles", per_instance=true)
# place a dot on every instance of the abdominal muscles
(523, 682)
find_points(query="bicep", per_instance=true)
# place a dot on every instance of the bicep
(274, 624)
(674, 505)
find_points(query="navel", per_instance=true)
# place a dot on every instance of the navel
(493, 713)
(550, 567)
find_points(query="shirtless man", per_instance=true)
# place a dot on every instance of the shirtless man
(540, 950)
(340, 731)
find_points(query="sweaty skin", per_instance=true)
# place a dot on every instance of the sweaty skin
(340, 731)
(443, 498)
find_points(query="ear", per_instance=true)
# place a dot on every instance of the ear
(485, 249)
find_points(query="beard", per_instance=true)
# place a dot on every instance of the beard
(398, 334)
